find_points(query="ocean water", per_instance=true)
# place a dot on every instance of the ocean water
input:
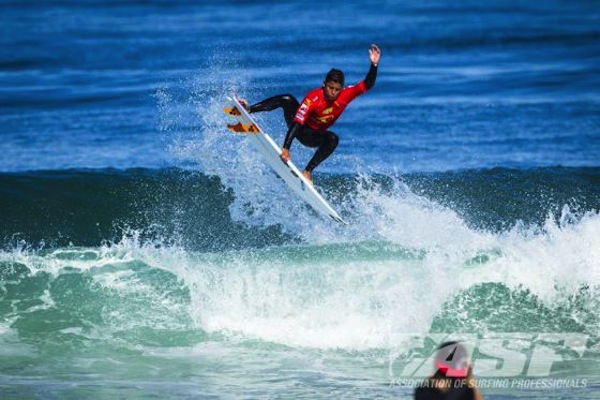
(148, 253)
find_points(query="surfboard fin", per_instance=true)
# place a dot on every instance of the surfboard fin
(243, 128)
(233, 111)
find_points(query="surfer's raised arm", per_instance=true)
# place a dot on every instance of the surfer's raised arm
(374, 55)
(309, 121)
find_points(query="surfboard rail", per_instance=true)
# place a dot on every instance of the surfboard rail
(287, 171)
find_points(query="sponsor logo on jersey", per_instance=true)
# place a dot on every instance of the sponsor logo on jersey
(302, 112)
(324, 119)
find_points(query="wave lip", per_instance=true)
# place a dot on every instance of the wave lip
(352, 296)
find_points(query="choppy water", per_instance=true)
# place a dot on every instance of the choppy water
(147, 253)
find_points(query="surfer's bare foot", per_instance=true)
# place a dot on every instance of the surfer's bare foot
(244, 104)
(307, 176)
(285, 155)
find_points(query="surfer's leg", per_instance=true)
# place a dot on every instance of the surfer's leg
(326, 142)
(286, 101)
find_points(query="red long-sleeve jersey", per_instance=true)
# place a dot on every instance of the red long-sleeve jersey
(319, 114)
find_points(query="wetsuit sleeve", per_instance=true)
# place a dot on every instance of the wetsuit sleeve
(371, 76)
(265, 105)
(291, 134)
(299, 120)
(351, 92)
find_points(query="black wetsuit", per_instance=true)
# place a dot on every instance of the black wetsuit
(324, 141)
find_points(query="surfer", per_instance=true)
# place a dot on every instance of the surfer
(309, 121)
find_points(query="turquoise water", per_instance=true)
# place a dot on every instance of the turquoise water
(301, 309)
(300, 321)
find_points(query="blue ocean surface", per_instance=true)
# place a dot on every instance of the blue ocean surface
(147, 252)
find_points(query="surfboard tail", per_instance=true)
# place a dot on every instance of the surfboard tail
(337, 219)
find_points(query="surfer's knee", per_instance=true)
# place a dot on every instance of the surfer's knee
(333, 140)
(288, 98)
(289, 104)
(289, 101)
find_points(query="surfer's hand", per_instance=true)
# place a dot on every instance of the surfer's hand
(374, 54)
(285, 155)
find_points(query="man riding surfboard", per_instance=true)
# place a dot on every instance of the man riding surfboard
(309, 121)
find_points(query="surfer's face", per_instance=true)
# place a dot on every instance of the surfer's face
(332, 90)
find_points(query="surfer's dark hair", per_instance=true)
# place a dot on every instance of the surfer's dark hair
(335, 75)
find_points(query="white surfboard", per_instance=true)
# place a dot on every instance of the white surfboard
(266, 146)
